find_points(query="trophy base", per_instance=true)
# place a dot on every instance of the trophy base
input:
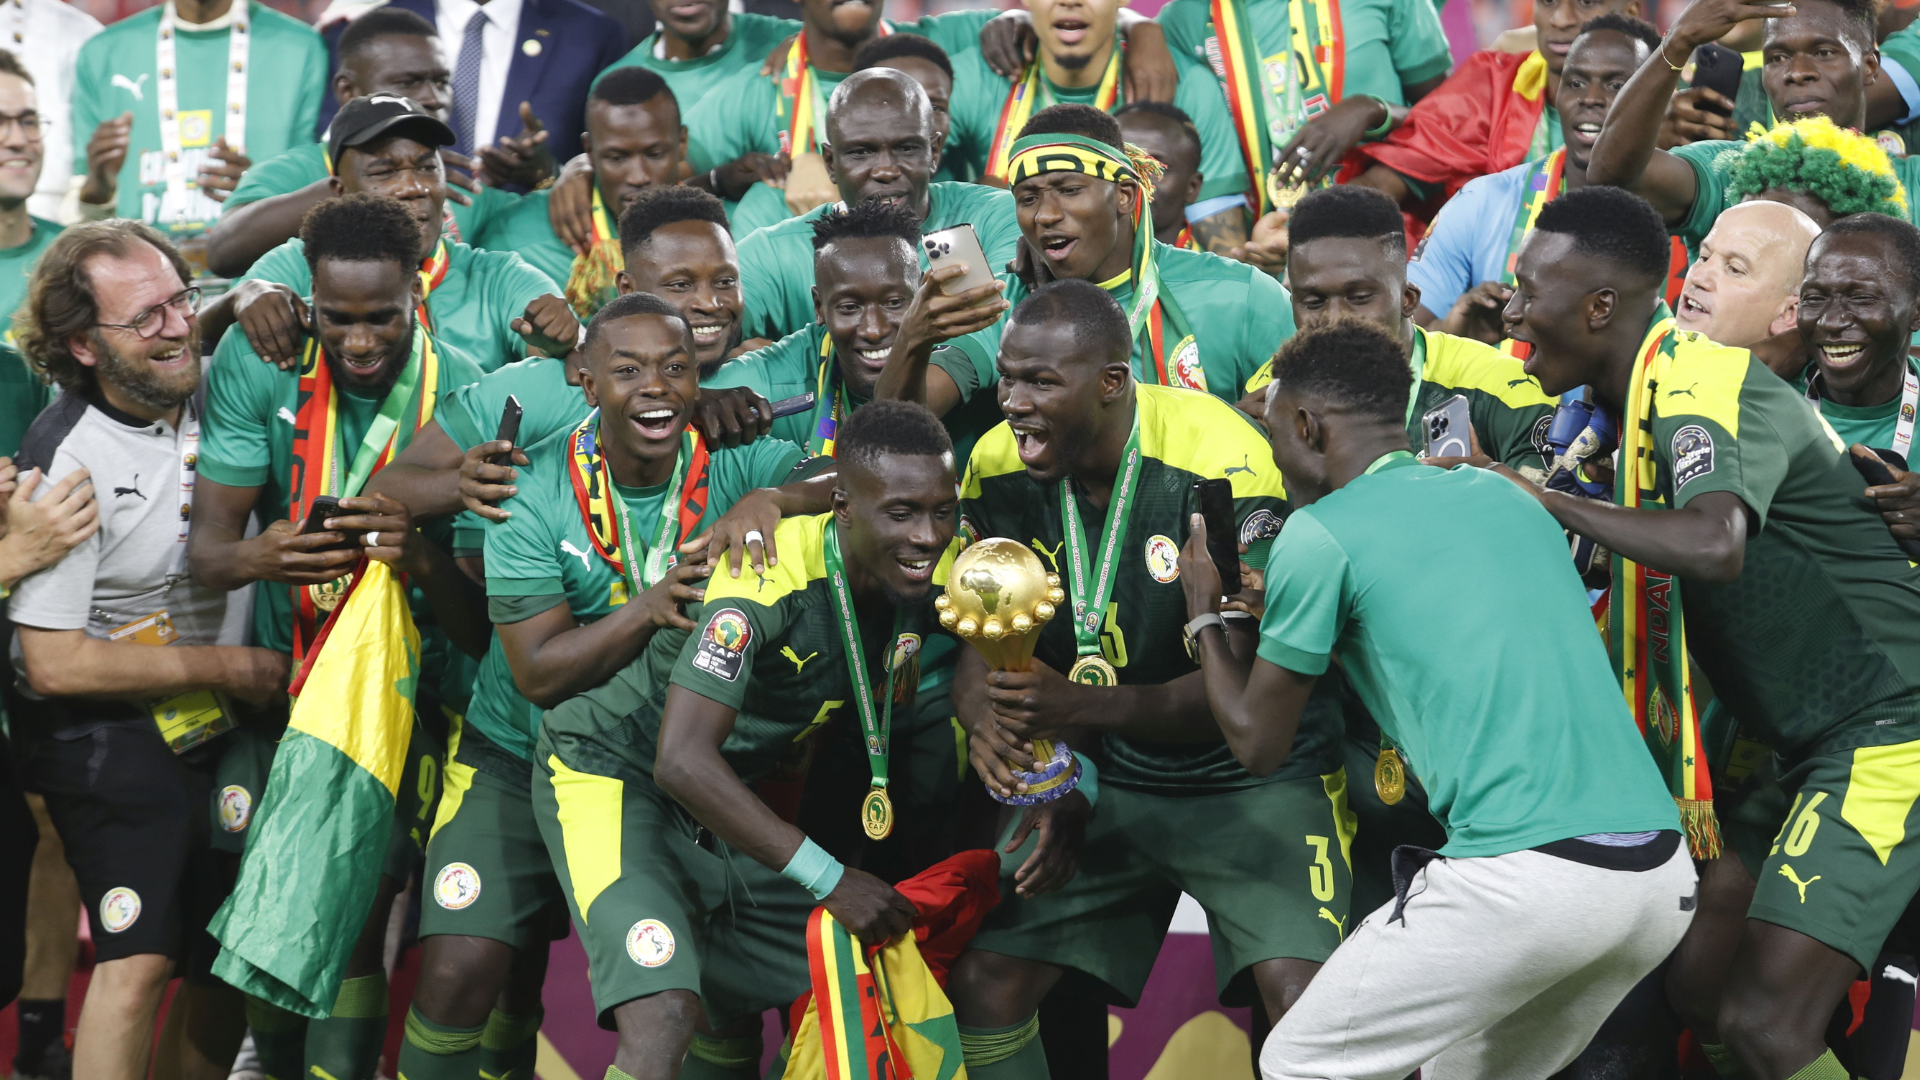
(1060, 775)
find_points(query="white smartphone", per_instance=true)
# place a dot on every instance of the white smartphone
(1449, 428)
(958, 246)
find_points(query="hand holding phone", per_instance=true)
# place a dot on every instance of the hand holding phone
(509, 432)
(1449, 428)
(958, 246)
(318, 511)
(1215, 497)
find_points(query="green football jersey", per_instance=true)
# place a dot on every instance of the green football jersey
(307, 164)
(776, 264)
(768, 646)
(116, 73)
(247, 441)
(1816, 645)
(548, 406)
(1511, 414)
(22, 396)
(1870, 425)
(1238, 316)
(473, 307)
(747, 45)
(1514, 750)
(543, 557)
(1184, 437)
(525, 229)
(762, 207)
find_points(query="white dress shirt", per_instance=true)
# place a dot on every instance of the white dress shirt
(50, 34)
(499, 42)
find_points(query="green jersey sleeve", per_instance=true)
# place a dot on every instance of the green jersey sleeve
(733, 472)
(235, 440)
(524, 228)
(1309, 596)
(548, 405)
(974, 108)
(278, 175)
(284, 265)
(511, 285)
(1712, 164)
(776, 277)
(1199, 95)
(717, 660)
(761, 206)
(1705, 438)
(1266, 324)
(954, 31)
(1418, 42)
(523, 552)
(736, 117)
(959, 366)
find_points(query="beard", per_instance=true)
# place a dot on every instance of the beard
(138, 380)
(391, 365)
(1074, 63)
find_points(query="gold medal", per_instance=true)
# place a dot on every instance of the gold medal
(1283, 197)
(1390, 777)
(1094, 671)
(327, 595)
(876, 814)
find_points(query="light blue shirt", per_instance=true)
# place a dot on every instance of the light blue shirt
(1468, 241)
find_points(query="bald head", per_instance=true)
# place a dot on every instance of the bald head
(1745, 286)
(882, 93)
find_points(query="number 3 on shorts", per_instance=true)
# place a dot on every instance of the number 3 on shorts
(1798, 830)
(1320, 871)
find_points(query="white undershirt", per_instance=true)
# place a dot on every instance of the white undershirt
(499, 43)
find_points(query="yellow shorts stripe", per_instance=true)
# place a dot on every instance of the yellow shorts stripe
(1880, 792)
(590, 820)
(455, 777)
(1344, 819)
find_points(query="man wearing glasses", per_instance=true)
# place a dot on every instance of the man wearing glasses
(139, 667)
(22, 238)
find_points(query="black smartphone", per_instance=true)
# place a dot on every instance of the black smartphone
(794, 404)
(1719, 68)
(509, 430)
(1876, 473)
(318, 511)
(1223, 540)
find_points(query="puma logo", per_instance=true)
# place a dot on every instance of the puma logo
(799, 665)
(1245, 466)
(1053, 556)
(1786, 871)
(131, 86)
(1688, 390)
(134, 490)
(287, 415)
(1339, 925)
(585, 562)
(1522, 381)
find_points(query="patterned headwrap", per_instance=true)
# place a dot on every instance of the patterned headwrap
(1847, 171)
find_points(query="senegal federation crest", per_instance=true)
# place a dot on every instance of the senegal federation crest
(1163, 558)
(650, 943)
(236, 808)
(119, 909)
(1185, 369)
(456, 886)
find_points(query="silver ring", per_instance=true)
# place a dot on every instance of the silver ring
(1302, 152)
(373, 539)
(753, 537)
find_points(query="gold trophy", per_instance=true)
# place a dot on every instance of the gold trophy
(997, 600)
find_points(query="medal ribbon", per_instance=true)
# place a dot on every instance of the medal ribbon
(829, 407)
(1032, 92)
(611, 534)
(1090, 599)
(167, 96)
(433, 271)
(1322, 68)
(316, 451)
(799, 108)
(1166, 310)
(1903, 421)
(590, 282)
(875, 723)
(1645, 629)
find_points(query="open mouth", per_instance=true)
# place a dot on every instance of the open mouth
(656, 423)
(1842, 356)
(1030, 443)
(875, 360)
(1070, 31)
(916, 570)
(1587, 133)
(359, 365)
(179, 358)
(1057, 247)
(709, 334)
(1691, 308)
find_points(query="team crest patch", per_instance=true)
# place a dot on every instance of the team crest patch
(1260, 525)
(1163, 558)
(906, 668)
(1692, 455)
(723, 644)
(236, 808)
(1185, 370)
(650, 943)
(457, 885)
(1892, 143)
(119, 909)
(969, 532)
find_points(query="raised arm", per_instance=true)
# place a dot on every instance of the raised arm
(933, 319)
(244, 233)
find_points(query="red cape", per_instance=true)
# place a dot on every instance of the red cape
(1479, 121)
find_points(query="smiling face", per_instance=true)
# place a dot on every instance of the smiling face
(691, 265)
(156, 373)
(363, 315)
(880, 141)
(1744, 287)
(1055, 389)
(1599, 65)
(1078, 223)
(408, 65)
(21, 151)
(633, 148)
(938, 86)
(1350, 277)
(850, 22)
(861, 292)
(899, 514)
(403, 169)
(1074, 32)
(691, 20)
(1169, 144)
(1818, 61)
(1552, 308)
(641, 375)
(1558, 22)
(1856, 312)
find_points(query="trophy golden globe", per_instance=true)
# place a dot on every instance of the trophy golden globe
(997, 600)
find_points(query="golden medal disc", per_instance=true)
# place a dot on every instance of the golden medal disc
(1390, 777)
(327, 595)
(876, 814)
(1094, 671)
(1284, 197)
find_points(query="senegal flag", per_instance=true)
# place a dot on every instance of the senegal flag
(320, 833)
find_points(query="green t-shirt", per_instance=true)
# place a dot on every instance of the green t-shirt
(1184, 437)
(473, 307)
(548, 406)
(1870, 425)
(542, 557)
(247, 441)
(1237, 315)
(526, 230)
(1816, 645)
(747, 45)
(1712, 168)
(980, 95)
(22, 394)
(1513, 752)
(116, 73)
(307, 164)
(776, 264)
(768, 646)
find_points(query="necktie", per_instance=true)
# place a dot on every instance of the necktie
(466, 81)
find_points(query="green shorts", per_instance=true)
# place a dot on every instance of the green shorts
(488, 874)
(1846, 863)
(1271, 864)
(661, 904)
(414, 802)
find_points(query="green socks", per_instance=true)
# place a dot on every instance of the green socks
(1824, 1067)
(709, 1058)
(1720, 1058)
(346, 1045)
(280, 1038)
(509, 1045)
(1008, 1053)
(435, 1052)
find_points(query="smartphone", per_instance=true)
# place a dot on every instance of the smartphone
(794, 404)
(509, 431)
(318, 511)
(958, 246)
(1719, 68)
(1449, 428)
(1223, 540)
(1875, 472)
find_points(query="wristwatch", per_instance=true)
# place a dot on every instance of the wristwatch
(1190, 633)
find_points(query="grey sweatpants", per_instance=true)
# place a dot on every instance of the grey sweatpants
(1502, 967)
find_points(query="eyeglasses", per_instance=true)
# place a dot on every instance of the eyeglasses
(148, 323)
(29, 123)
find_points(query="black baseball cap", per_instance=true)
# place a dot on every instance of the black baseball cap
(375, 116)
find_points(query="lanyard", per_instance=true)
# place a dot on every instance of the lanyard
(1903, 424)
(876, 722)
(374, 443)
(1090, 598)
(828, 409)
(658, 557)
(168, 88)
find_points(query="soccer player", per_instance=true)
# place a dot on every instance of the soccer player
(1758, 515)
(630, 774)
(1554, 816)
(1199, 321)
(1097, 471)
(389, 50)
(171, 170)
(490, 305)
(634, 141)
(1169, 137)
(697, 45)
(276, 440)
(880, 144)
(627, 486)
(23, 237)
(927, 64)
